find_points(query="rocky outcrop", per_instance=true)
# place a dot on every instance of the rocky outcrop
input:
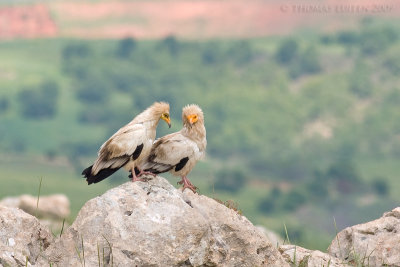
(154, 224)
(298, 256)
(22, 238)
(374, 243)
(54, 207)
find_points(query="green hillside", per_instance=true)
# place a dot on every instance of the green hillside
(300, 130)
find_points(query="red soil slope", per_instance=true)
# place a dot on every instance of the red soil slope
(26, 22)
(187, 19)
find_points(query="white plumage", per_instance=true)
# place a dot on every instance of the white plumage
(179, 152)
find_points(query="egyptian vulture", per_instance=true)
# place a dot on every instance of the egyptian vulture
(129, 145)
(178, 152)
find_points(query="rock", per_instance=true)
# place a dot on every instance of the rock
(273, 237)
(55, 207)
(153, 224)
(11, 202)
(374, 243)
(22, 238)
(298, 256)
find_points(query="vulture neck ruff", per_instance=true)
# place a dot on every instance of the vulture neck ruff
(195, 132)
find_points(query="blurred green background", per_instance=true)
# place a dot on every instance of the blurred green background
(302, 127)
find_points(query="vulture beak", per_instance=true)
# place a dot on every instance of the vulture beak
(168, 121)
(192, 118)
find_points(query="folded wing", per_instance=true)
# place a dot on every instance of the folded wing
(168, 152)
(124, 145)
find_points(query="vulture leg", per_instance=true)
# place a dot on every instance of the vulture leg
(187, 184)
(134, 177)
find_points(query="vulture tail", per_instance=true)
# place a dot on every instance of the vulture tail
(100, 176)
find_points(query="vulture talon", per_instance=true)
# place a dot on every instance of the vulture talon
(146, 173)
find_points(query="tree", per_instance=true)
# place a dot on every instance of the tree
(39, 102)
(229, 180)
(4, 105)
(392, 61)
(76, 50)
(377, 40)
(348, 37)
(293, 200)
(318, 187)
(360, 83)
(345, 175)
(287, 51)
(380, 186)
(125, 47)
(96, 114)
(241, 53)
(75, 59)
(270, 203)
(93, 90)
(171, 44)
(309, 60)
(211, 53)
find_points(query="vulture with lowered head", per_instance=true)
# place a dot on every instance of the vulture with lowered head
(129, 145)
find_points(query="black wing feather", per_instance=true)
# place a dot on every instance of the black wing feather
(137, 152)
(181, 164)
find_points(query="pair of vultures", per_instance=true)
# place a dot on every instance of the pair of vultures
(133, 147)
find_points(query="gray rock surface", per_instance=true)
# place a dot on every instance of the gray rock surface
(374, 243)
(154, 224)
(22, 238)
(298, 256)
(54, 207)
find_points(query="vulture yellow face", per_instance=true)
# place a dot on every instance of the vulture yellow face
(192, 118)
(166, 118)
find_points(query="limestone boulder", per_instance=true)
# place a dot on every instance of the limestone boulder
(153, 224)
(375, 243)
(53, 207)
(298, 256)
(23, 240)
